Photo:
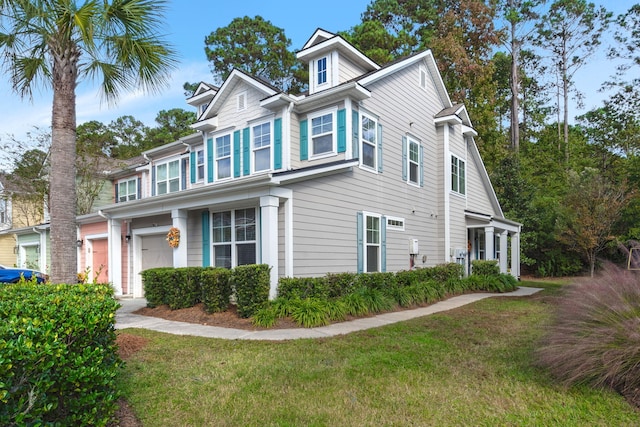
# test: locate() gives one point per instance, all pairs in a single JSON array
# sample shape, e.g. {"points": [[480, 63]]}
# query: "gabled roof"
{"points": [[234, 78], [425, 56], [456, 113], [203, 94], [323, 41]]}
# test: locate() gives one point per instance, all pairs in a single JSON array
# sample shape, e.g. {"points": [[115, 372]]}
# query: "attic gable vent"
{"points": [[242, 101], [423, 78]]}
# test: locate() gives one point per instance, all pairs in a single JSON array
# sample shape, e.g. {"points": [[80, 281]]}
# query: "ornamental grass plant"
{"points": [[595, 337]]}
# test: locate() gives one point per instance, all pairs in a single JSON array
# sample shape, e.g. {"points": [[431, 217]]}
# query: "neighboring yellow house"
{"points": [[26, 213]]}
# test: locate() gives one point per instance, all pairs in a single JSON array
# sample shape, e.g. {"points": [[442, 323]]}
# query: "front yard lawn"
{"points": [[469, 366]]}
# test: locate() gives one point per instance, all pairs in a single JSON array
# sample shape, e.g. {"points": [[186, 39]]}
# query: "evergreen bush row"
{"points": [[312, 302], [214, 287], [58, 356]]}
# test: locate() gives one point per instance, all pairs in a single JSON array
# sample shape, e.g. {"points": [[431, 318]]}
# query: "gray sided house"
{"points": [[374, 169]]}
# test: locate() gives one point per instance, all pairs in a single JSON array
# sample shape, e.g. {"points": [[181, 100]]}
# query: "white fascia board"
{"points": [[339, 43], [229, 82], [318, 33], [466, 130], [448, 119], [353, 89], [206, 125], [313, 172]]}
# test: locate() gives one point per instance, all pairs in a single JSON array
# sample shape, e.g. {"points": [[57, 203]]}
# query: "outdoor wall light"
{"points": [[127, 238], [79, 243]]}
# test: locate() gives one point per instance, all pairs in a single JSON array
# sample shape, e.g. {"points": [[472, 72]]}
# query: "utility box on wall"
{"points": [[414, 248]]}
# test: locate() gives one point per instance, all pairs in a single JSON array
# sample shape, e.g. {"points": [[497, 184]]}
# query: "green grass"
{"points": [[469, 366]]}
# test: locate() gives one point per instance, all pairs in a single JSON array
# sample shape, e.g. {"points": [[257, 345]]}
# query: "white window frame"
{"points": [[395, 223], [127, 194], [169, 179], [334, 133], [255, 149], [410, 162], [457, 178], [367, 244], [201, 161], [234, 242], [363, 141], [217, 158], [322, 72]]}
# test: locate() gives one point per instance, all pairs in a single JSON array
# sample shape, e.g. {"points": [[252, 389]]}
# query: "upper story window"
{"points": [[202, 108], [168, 177], [458, 175], [369, 141], [200, 165], [127, 190], [413, 158], [4, 215], [261, 146], [322, 70], [323, 134], [223, 156]]}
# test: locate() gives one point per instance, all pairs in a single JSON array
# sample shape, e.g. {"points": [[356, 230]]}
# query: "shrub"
{"points": [[183, 287], [485, 267], [251, 284], [266, 316], [376, 300], [356, 304], [58, 359], [340, 284], [594, 339], [444, 272], [216, 289], [303, 287], [310, 312], [155, 281], [376, 280]]}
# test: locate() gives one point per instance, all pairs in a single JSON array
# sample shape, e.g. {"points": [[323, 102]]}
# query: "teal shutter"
{"points": [[304, 141], [360, 241], [342, 131], [246, 151], [210, 160], [383, 244], [139, 195], [206, 244], [192, 166], [116, 190], [421, 168], [236, 154], [404, 158], [355, 142], [277, 144], [380, 148], [153, 180]]}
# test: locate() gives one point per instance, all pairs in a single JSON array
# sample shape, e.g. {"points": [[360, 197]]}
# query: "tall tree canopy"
{"points": [[60, 43], [255, 46]]}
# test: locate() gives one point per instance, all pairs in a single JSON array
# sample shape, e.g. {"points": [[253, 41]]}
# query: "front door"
{"points": [[100, 260]]}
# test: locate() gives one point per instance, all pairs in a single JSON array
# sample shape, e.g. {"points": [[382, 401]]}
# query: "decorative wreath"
{"points": [[173, 237]]}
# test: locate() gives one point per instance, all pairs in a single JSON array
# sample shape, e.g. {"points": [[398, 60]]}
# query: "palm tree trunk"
{"points": [[62, 175]]}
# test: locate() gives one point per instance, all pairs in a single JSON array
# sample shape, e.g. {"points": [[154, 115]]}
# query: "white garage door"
{"points": [[156, 252]]}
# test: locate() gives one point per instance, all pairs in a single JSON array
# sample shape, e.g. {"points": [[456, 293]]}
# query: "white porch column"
{"points": [[115, 255], [489, 250], [269, 238], [515, 255], [503, 252], [179, 218]]}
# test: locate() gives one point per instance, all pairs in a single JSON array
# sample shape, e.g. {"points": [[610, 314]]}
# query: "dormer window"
{"points": [[322, 70]]}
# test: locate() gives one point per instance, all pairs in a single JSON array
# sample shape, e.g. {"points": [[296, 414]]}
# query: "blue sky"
{"points": [[189, 21]]}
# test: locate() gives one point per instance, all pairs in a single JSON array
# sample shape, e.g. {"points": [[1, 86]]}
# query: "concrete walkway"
{"points": [[126, 319]]}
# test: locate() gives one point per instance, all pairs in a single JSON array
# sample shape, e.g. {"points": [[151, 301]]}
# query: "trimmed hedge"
{"points": [[485, 267], [216, 289], [251, 284], [183, 289], [58, 359]]}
